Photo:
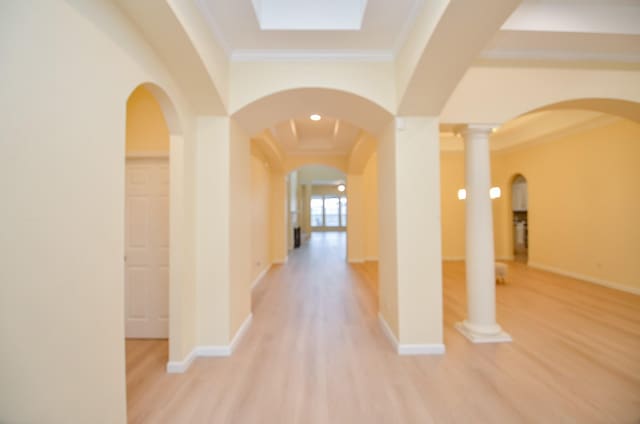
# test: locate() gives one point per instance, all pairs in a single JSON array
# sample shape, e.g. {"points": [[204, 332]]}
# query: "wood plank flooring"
{"points": [[315, 354]]}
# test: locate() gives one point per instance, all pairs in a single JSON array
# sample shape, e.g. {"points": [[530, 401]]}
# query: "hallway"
{"points": [[315, 354]]}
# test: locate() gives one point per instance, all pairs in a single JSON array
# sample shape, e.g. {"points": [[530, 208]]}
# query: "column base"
{"points": [[475, 337]]}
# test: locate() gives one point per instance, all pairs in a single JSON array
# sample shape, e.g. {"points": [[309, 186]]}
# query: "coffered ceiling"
{"points": [[304, 136]]}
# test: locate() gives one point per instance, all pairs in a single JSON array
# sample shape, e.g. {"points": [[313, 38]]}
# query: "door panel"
{"points": [[147, 249]]}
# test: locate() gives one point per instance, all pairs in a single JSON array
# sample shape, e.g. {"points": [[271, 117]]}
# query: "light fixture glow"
{"points": [[494, 193], [315, 117], [341, 187]]}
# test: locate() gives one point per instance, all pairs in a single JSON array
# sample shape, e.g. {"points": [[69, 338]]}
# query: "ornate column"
{"points": [[480, 325]]}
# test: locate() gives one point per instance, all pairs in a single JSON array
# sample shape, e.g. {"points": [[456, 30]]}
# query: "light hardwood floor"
{"points": [[315, 354]]}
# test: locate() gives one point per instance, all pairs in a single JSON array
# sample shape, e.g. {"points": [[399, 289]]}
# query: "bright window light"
{"points": [[462, 194], [315, 117]]}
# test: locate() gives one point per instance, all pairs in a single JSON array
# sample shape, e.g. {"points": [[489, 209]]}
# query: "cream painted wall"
{"points": [[61, 322], [260, 213], [146, 128], [410, 270], [453, 222], [240, 226], [419, 250], [355, 218], [213, 236], [371, 80], [517, 90], [370, 213], [388, 259], [584, 203], [278, 218]]}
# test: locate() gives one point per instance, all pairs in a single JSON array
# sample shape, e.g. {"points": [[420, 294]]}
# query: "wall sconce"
{"points": [[494, 193], [341, 188]]}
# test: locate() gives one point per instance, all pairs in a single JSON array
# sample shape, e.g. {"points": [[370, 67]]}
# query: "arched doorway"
{"points": [[520, 221], [153, 177]]}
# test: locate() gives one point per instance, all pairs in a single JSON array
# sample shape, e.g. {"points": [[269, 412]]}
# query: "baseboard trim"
{"points": [[409, 349], [213, 351], [179, 367], [260, 276], [281, 262], [241, 332], [462, 258], [586, 278]]}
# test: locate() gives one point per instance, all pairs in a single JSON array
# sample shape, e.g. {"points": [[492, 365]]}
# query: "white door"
{"points": [[147, 248]]}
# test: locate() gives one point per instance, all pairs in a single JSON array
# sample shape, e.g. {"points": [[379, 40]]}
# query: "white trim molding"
{"points": [[260, 276], [409, 349], [586, 278], [240, 333], [178, 367]]}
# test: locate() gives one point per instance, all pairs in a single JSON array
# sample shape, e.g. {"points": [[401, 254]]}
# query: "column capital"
{"points": [[476, 129]]}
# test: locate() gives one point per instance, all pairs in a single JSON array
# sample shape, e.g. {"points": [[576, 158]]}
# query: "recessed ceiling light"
{"points": [[315, 117]]}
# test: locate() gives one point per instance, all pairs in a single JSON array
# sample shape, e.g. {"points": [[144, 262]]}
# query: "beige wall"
{"points": [[146, 128], [388, 259], [278, 205], [584, 203], [370, 212], [453, 224], [240, 226], [63, 142], [260, 213]]}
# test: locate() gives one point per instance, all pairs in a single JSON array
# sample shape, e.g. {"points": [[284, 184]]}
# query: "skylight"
{"points": [[305, 15]]}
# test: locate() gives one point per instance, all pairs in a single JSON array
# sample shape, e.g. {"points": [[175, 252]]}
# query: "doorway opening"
{"points": [[520, 220], [316, 203], [152, 187]]}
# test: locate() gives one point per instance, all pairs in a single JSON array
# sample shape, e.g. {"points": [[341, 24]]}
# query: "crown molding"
{"points": [[286, 55], [559, 56]]}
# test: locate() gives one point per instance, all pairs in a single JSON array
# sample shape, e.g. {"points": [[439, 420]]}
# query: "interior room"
{"points": [[327, 212]]}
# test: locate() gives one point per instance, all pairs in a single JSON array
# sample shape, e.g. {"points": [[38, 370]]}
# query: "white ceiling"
{"points": [[606, 31], [304, 136], [384, 28], [550, 30]]}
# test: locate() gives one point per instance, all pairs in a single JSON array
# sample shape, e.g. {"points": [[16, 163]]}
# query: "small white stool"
{"points": [[501, 272]]}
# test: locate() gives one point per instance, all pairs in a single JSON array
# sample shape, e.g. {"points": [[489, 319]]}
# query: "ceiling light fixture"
{"points": [[315, 117], [341, 188]]}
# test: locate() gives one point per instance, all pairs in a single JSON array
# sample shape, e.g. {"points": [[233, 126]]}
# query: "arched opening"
{"points": [[152, 179], [519, 207], [301, 220], [572, 162]]}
